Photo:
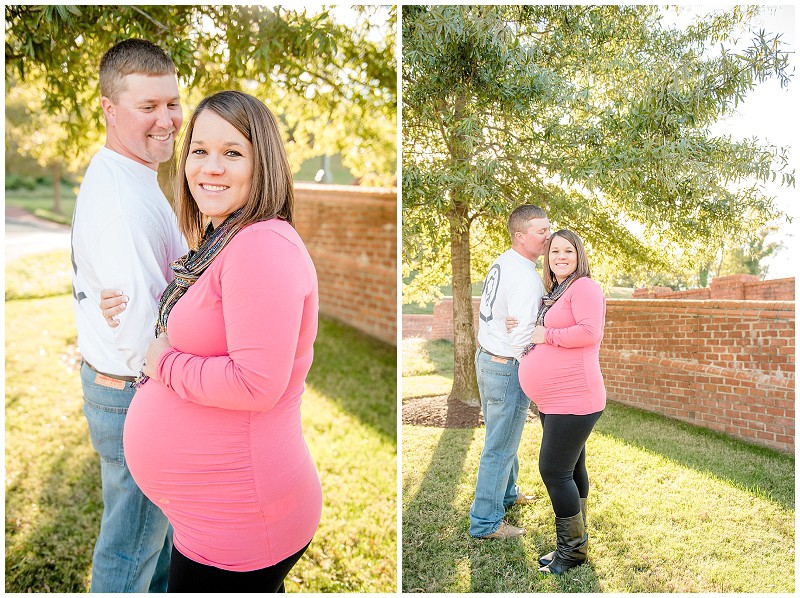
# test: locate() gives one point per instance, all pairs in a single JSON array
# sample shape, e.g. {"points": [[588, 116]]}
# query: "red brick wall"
{"points": [[419, 325], [726, 365], [737, 286], [723, 365], [351, 234]]}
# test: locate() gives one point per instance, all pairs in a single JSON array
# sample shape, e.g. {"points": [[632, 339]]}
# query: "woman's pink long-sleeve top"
{"points": [[214, 438], [562, 375]]}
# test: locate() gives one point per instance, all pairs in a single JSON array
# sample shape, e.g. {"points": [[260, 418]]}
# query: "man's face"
{"points": [[144, 120], [531, 242]]}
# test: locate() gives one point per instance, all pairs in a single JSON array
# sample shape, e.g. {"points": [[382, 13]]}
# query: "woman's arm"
{"points": [[265, 282], [589, 311], [112, 303]]}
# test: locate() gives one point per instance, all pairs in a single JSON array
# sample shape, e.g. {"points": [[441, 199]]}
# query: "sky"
{"points": [[771, 114]]}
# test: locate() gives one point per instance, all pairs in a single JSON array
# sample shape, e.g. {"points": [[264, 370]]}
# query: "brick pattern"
{"points": [[351, 234], [417, 325], [726, 365], [738, 286], [442, 326]]}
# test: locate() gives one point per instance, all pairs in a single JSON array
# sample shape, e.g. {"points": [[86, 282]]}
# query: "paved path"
{"points": [[26, 234]]}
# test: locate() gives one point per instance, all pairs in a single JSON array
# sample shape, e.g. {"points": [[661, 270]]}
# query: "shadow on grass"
{"points": [[56, 555], [760, 471], [440, 352], [362, 381], [440, 556], [426, 514]]}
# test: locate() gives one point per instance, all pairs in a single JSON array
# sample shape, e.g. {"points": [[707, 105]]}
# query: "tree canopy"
{"points": [[332, 84], [600, 114]]}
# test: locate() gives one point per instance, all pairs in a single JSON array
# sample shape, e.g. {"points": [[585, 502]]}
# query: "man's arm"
{"points": [[131, 255], [523, 298]]}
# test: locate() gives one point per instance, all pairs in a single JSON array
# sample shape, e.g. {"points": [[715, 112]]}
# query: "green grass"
{"points": [[672, 508], [53, 498], [340, 175], [447, 291], [39, 202], [477, 288], [40, 275], [427, 368]]}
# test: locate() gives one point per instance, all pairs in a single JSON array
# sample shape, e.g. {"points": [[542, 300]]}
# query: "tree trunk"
{"points": [[465, 384], [56, 174]]}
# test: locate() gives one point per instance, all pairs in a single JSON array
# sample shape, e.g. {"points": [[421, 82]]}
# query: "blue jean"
{"points": [[505, 408], [133, 549]]}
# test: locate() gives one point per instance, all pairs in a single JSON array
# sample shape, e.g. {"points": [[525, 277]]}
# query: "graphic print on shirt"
{"points": [[78, 296], [490, 288]]}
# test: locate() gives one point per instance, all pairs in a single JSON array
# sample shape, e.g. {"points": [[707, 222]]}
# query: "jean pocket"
{"points": [[105, 429], [493, 384]]}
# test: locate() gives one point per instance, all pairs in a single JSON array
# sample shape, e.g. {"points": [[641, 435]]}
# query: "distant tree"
{"points": [[749, 255], [40, 136], [599, 114], [736, 255], [333, 85]]}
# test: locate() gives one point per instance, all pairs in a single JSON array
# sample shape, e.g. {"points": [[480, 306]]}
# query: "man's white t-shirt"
{"points": [[513, 287], [124, 236]]}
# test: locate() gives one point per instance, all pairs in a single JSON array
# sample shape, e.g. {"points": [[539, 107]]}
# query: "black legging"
{"points": [[186, 575], [562, 459]]}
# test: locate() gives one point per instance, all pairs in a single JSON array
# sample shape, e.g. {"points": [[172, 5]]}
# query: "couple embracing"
{"points": [[208, 485], [539, 341]]}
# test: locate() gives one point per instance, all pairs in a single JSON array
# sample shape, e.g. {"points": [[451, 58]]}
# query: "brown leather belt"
{"points": [[123, 378], [493, 355]]}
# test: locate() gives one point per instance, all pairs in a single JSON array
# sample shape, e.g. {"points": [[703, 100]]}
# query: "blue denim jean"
{"points": [[133, 549], [505, 408]]}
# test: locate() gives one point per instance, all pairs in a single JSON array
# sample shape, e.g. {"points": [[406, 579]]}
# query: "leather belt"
{"points": [[123, 378], [493, 355]]}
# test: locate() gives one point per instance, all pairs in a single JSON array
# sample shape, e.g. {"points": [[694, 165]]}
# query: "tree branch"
{"points": [[149, 18]]}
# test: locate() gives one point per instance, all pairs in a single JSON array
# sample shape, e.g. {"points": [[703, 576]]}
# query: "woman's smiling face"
{"points": [[219, 167], [563, 258]]}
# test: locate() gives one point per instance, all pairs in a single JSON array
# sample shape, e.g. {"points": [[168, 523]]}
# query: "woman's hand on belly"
{"points": [[154, 350]]}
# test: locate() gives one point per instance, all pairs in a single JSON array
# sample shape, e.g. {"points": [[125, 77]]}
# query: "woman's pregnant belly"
{"points": [[229, 481], [549, 375], [182, 454]]}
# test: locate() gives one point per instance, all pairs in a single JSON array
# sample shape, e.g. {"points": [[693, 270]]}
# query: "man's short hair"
{"points": [[519, 218], [131, 56]]}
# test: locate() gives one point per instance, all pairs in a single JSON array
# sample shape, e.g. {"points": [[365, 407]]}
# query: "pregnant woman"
{"points": [[560, 372], [213, 435]]}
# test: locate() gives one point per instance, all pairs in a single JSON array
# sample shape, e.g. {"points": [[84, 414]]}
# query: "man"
{"points": [[512, 288], [124, 235]]}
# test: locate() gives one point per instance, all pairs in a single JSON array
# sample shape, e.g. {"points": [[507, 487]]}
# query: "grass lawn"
{"points": [[53, 499], [447, 291], [672, 508], [41, 275], [340, 175], [477, 289], [39, 202], [427, 368]]}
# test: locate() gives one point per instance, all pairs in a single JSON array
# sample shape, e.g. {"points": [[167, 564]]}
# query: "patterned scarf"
{"points": [[189, 268], [547, 302]]}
